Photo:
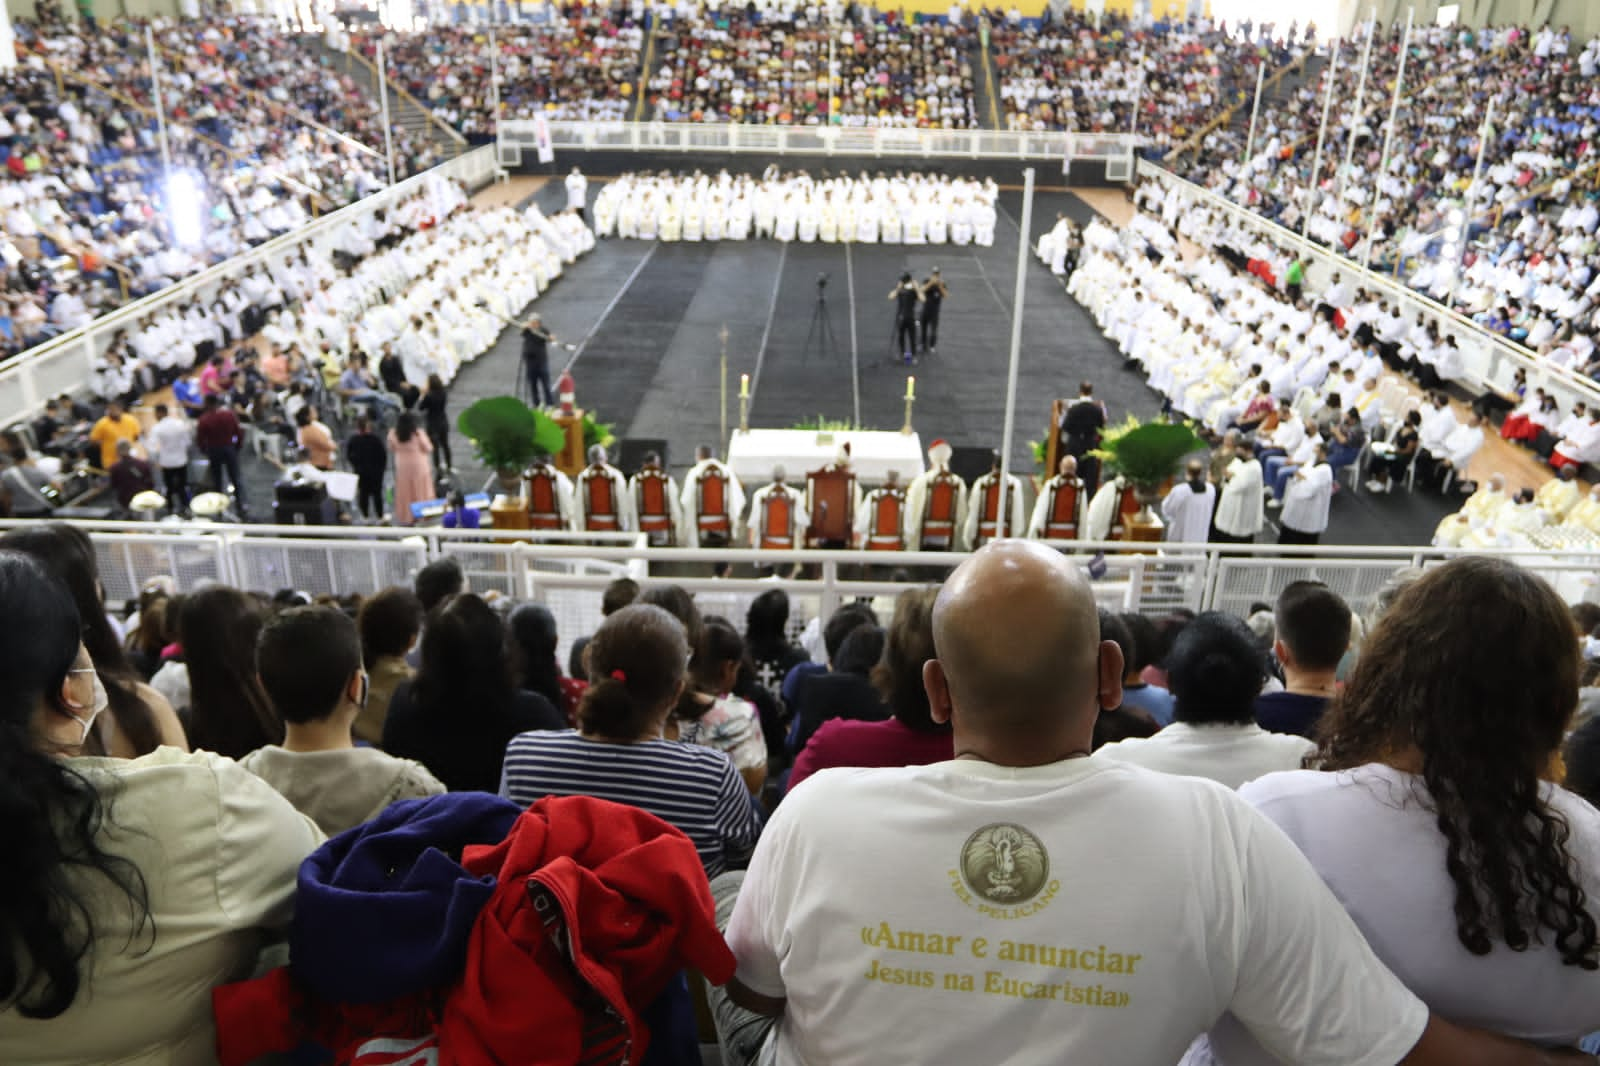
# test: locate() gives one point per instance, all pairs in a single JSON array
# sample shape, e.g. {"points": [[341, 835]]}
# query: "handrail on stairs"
{"points": [[145, 110], [304, 118], [394, 86], [1269, 86]]}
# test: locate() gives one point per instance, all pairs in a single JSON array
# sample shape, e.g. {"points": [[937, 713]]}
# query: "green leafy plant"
{"points": [[596, 433], [507, 434], [826, 425], [1147, 453]]}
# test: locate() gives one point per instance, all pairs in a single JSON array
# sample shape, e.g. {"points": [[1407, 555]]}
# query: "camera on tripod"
{"points": [[822, 281]]}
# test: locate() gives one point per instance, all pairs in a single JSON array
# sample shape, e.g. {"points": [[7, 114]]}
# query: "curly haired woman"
{"points": [[1434, 819]]}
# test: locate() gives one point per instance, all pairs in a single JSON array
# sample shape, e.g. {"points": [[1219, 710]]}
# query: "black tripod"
{"points": [[821, 328]]}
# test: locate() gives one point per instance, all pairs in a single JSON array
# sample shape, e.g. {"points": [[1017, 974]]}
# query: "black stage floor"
{"points": [[652, 312]]}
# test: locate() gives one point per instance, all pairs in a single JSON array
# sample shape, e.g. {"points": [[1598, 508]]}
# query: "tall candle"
{"points": [[911, 388], [744, 386]]}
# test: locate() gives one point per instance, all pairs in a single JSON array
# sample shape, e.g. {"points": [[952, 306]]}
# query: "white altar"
{"points": [[753, 453]]}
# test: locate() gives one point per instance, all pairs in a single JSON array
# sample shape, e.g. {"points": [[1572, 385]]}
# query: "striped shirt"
{"points": [[693, 788]]}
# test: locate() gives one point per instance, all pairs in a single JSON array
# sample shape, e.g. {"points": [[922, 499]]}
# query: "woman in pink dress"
{"points": [[413, 473]]}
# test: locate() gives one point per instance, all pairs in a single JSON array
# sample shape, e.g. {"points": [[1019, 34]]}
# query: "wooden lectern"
{"points": [[833, 507], [573, 458], [1052, 441]]}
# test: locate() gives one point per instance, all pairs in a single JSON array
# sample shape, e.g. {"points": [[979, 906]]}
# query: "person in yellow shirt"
{"points": [[115, 425], [1559, 495]]}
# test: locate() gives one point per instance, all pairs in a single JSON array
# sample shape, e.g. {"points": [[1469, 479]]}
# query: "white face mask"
{"points": [[101, 700]]}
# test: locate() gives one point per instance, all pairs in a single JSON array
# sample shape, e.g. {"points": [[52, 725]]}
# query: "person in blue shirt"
{"points": [[459, 516], [1146, 651], [1313, 632]]}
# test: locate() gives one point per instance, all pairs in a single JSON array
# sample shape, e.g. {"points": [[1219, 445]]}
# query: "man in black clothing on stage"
{"points": [[905, 297], [934, 290], [536, 342], [1080, 434]]}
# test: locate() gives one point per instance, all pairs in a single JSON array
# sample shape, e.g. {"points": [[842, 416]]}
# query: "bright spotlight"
{"points": [[185, 208]]}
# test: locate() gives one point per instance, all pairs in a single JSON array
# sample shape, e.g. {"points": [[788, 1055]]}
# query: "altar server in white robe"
{"points": [[787, 221], [1015, 517], [621, 498], [577, 192], [1101, 513], [762, 511], [1188, 508], [1306, 501], [917, 499], [706, 462], [1241, 511]]}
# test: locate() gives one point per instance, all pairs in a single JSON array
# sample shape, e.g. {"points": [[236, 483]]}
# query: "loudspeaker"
{"points": [[298, 503], [630, 453], [970, 463]]}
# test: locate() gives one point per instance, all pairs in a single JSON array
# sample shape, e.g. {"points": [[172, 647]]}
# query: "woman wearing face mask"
{"points": [[147, 881]]}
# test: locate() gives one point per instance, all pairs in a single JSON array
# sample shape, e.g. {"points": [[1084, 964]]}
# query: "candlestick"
{"points": [[744, 414], [911, 387], [744, 386], [910, 400]]}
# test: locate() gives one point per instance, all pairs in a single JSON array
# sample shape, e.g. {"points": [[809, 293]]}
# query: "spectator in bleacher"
{"points": [[766, 634], [636, 673], [115, 425], [1024, 825], [1146, 649], [390, 622], [23, 486], [457, 715], [413, 480], [1435, 768], [910, 737], [228, 712], [138, 719], [1581, 753], [845, 690], [130, 475], [218, 434], [1121, 722], [1312, 626], [309, 661], [533, 641], [834, 633], [618, 594], [146, 633], [712, 716], [369, 460], [315, 437], [132, 887], [1216, 673]]}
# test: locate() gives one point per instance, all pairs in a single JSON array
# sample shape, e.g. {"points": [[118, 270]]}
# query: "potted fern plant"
{"points": [[507, 435], [1146, 454]]}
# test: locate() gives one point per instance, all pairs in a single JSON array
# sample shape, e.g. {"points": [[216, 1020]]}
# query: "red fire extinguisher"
{"points": [[567, 389]]}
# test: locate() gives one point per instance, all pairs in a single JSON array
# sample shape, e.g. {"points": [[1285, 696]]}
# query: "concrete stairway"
{"points": [[405, 111]]}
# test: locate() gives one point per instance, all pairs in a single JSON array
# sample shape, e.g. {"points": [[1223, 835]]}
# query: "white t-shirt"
{"points": [[1230, 755], [1371, 835], [967, 912]]}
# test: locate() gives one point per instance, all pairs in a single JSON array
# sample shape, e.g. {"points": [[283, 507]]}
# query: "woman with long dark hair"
{"points": [[145, 881], [138, 719], [413, 480], [457, 715], [229, 712], [1434, 818], [911, 737], [533, 640], [435, 408]]}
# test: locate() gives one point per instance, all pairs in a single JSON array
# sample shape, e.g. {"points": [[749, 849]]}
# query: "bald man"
{"points": [[1024, 904]]}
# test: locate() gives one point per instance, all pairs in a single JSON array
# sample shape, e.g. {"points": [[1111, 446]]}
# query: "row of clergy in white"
{"points": [[895, 210], [936, 511], [441, 297], [1492, 517]]}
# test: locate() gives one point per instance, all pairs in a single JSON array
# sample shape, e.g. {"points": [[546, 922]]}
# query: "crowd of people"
{"points": [[580, 65], [903, 208], [238, 769], [261, 137], [1089, 74], [1513, 251], [738, 65]]}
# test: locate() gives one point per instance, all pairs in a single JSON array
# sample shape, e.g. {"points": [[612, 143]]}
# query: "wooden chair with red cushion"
{"points": [[939, 516], [989, 517], [544, 504], [1062, 521], [711, 494], [888, 512], [777, 526], [601, 497], [655, 507], [833, 506]]}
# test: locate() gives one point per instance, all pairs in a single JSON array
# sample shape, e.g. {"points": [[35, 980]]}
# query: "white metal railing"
{"points": [[521, 135], [1490, 359], [65, 363], [551, 568]]}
